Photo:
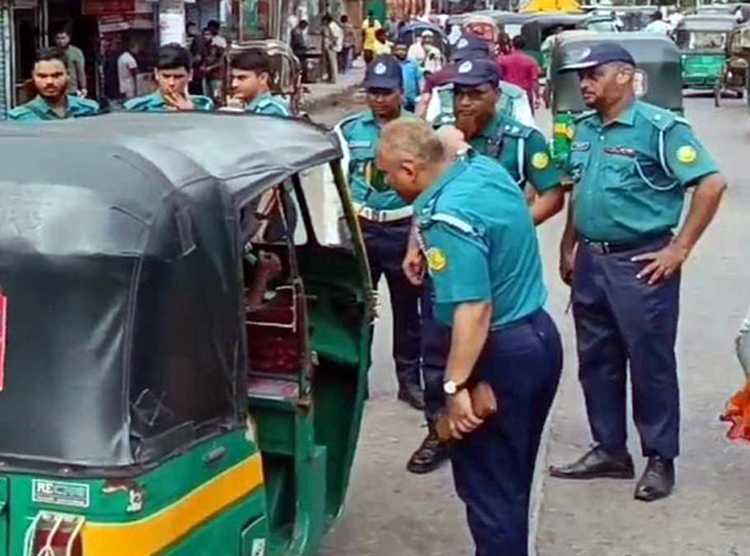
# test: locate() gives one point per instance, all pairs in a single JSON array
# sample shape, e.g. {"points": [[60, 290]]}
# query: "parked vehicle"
{"points": [[702, 40], [161, 392], [735, 77]]}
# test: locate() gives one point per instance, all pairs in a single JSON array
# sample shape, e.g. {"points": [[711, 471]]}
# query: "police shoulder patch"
{"points": [[540, 161], [687, 154], [436, 259]]}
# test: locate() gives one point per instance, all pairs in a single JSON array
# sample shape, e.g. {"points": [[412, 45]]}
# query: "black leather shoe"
{"points": [[412, 395], [596, 464], [429, 456], [657, 481]]}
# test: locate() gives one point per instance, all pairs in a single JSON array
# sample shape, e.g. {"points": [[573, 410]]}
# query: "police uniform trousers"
{"points": [[386, 245], [619, 318], [436, 343], [493, 467]]}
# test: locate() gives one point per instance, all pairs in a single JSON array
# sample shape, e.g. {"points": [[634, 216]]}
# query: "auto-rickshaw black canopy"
{"points": [[120, 261], [656, 56]]}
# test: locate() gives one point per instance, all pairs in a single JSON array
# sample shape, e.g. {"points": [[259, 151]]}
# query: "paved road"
{"points": [[391, 512]]}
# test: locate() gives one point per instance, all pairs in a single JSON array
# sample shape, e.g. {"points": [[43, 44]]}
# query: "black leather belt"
{"points": [[607, 248]]}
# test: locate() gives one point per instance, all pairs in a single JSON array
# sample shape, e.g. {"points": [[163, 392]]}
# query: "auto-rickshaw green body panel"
{"points": [[146, 409], [702, 40], [659, 78]]}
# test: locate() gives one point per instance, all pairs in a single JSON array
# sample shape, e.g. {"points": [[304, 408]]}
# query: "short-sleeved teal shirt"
{"points": [[522, 150], [155, 103], [480, 243], [368, 184], [630, 176], [269, 105], [40, 110]]}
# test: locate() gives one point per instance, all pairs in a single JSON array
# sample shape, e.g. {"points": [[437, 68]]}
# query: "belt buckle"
{"points": [[599, 247]]}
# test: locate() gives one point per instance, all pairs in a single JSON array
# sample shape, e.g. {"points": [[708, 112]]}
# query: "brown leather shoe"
{"points": [[596, 464], [657, 481], [429, 456]]}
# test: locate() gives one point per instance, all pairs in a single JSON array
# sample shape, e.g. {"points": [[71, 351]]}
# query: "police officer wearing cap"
{"points": [[386, 218], [251, 85], [522, 150], [632, 164], [483, 257]]}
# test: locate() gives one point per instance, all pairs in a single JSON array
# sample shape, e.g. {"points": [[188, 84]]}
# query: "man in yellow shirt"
{"points": [[370, 26]]}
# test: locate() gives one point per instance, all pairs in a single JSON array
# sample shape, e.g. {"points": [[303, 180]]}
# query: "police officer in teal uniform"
{"points": [[632, 164], [251, 85], [482, 253], [173, 74], [386, 218], [51, 79], [521, 150]]}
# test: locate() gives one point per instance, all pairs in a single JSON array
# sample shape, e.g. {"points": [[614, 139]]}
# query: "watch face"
{"points": [[449, 387]]}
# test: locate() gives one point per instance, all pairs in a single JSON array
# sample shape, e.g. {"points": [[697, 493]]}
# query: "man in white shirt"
{"points": [[127, 71], [658, 25]]}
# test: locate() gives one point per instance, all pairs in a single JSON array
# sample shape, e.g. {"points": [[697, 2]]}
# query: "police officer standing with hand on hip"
{"points": [[174, 72], [483, 257], [632, 164], [386, 218]]}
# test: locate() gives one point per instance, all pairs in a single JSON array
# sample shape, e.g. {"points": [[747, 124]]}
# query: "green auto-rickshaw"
{"points": [[702, 40], [736, 75], [658, 79], [185, 336]]}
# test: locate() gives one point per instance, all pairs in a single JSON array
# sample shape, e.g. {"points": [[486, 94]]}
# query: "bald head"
{"points": [[412, 155]]}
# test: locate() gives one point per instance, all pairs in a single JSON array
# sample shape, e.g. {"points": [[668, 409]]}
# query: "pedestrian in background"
{"points": [[483, 257], [433, 59], [412, 76], [520, 69], [127, 69], [381, 47], [386, 218], [214, 29], [300, 48], [369, 28], [658, 25], [197, 47], [632, 164], [332, 44], [76, 63], [213, 70], [346, 56]]}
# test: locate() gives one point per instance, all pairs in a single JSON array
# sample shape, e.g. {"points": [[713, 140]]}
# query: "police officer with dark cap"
{"points": [[522, 150], [632, 164], [386, 218]]}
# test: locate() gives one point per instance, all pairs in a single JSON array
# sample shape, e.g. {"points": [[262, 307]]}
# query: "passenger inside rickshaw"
{"points": [[702, 40]]}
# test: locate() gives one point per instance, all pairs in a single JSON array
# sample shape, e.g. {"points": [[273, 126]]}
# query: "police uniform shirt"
{"points": [[480, 243], [631, 175], [368, 184], [268, 105], [40, 110], [521, 150], [155, 102]]}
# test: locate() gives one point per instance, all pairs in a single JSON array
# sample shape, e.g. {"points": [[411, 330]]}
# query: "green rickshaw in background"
{"points": [[702, 40], [658, 79], [736, 75], [186, 312]]}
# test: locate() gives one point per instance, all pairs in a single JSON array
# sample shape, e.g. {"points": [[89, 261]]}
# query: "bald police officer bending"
{"points": [[51, 80], [632, 164], [173, 73], [482, 253]]}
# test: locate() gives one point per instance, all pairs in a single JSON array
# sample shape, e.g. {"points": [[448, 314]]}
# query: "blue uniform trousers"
{"points": [[386, 245], [493, 467], [436, 343], [619, 319]]}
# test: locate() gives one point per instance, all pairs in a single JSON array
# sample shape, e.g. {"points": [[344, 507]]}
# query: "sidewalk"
{"points": [[324, 95]]}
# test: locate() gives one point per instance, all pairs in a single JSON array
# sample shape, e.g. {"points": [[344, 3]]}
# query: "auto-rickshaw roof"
{"points": [[708, 22], [656, 54], [244, 152]]}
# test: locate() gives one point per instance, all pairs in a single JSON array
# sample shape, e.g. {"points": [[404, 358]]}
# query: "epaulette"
{"points": [[346, 124], [202, 103], [138, 104], [511, 90], [20, 113], [90, 105], [584, 116], [660, 118], [515, 129]]}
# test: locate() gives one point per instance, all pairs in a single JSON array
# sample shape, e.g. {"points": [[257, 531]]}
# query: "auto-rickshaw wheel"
{"points": [[717, 95]]}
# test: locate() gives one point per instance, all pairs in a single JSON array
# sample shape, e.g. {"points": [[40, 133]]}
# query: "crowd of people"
{"points": [[449, 177]]}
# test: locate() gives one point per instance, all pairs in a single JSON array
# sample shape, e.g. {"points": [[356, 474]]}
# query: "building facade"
{"points": [[6, 86]]}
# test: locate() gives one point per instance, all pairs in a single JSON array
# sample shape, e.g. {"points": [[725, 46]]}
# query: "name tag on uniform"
{"points": [[360, 144], [580, 146], [620, 151]]}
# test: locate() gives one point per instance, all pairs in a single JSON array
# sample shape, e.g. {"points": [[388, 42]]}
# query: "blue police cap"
{"points": [[596, 55], [471, 73], [469, 46], [384, 72]]}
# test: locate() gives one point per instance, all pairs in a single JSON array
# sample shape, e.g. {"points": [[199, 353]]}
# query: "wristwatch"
{"points": [[451, 387]]}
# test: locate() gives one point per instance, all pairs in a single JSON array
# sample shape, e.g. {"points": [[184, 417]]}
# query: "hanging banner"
{"points": [[3, 336]]}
